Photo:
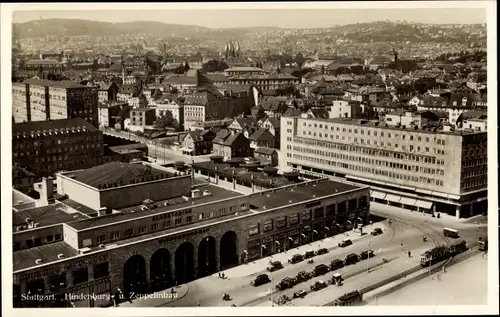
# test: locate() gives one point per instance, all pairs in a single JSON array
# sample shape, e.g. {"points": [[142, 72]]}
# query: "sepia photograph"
{"points": [[249, 156]]}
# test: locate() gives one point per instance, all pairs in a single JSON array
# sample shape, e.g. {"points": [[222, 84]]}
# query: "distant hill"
{"points": [[69, 27], [382, 31]]}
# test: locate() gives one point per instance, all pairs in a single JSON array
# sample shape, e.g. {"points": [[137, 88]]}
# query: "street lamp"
{"points": [[368, 257]]}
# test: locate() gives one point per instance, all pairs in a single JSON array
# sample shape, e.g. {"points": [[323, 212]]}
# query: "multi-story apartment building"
{"points": [[266, 82], [53, 100], [45, 147], [21, 111], [434, 169], [142, 117], [208, 105]]}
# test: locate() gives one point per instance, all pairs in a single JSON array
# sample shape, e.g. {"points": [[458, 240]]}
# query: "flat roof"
{"points": [[24, 259], [118, 173], [241, 173], [46, 215], [357, 122], [77, 206], [20, 198], [298, 194], [66, 84], [217, 193], [52, 126]]}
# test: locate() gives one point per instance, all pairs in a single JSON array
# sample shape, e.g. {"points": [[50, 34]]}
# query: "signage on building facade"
{"points": [[56, 270]]}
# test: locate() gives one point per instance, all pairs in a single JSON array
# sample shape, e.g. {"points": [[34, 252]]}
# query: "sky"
{"points": [[286, 18]]}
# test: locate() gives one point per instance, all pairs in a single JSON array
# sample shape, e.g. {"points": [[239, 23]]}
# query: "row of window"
{"points": [[377, 143], [307, 215], [369, 151], [410, 177], [369, 132], [389, 164], [35, 242], [475, 183]]}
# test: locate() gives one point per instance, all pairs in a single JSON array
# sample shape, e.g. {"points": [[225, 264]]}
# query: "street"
{"points": [[402, 234], [393, 244], [166, 156]]}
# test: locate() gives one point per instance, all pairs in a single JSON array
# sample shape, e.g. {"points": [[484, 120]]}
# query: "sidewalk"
{"points": [[405, 214], [330, 243], [158, 298]]}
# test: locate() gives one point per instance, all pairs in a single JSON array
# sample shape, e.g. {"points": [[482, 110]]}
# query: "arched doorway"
{"points": [[207, 260], [134, 275], [184, 263], [160, 270], [228, 250]]}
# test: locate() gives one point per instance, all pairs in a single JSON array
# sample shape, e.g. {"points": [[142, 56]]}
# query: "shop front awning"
{"points": [[393, 198], [408, 201], [378, 195], [423, 204]]}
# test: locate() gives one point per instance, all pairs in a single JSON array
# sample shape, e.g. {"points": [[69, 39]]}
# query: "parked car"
{"points": [[320, 270], [322, 251], [366, 254], [300, 294], [336, 264], [376, 232], [260, 280], [345, 243], [309, 254], [296, 258], [351, 259], [318, 285], [274, 266], [287, 282]]}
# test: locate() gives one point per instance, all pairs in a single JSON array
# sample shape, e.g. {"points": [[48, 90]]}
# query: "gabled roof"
{"points": [[221, 136], [233, 139], [261, 134], [195, 135], [319, 113], [52, 126], [273, 121], [265, 150]]}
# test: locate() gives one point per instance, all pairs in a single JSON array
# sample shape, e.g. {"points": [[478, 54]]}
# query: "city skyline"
{"points": [[309, 18]]}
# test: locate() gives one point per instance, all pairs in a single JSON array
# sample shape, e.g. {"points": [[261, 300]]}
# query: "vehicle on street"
{"points": [[349, 299], [336, 279], [351, 259], [274, 266], [483, 244], [322, 251], [318, 285], [309, 254], [320, 269], [450, 233], [366, 254], [345, 243], [287, 282], [283, 299], [260, 280], [440, 253], [303, 276], [376, 232], [336, 264], [296, 258], [300, 294]]}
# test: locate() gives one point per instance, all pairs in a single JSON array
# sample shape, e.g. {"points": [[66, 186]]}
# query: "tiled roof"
{"points": [[52, 126], [117, 173], [265, 150], [261, 135], [43, 62], [233, 138]]}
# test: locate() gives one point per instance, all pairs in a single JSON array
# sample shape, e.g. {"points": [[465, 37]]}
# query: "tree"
{"points": [[214, 66], [299, 59], [166, 120]]}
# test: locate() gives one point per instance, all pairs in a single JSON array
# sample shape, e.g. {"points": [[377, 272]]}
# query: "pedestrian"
{"points": [[409, 254], [219, 275], [444, 269]]}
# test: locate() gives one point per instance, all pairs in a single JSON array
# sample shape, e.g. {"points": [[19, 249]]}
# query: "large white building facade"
{"points": [[420, 169]]}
